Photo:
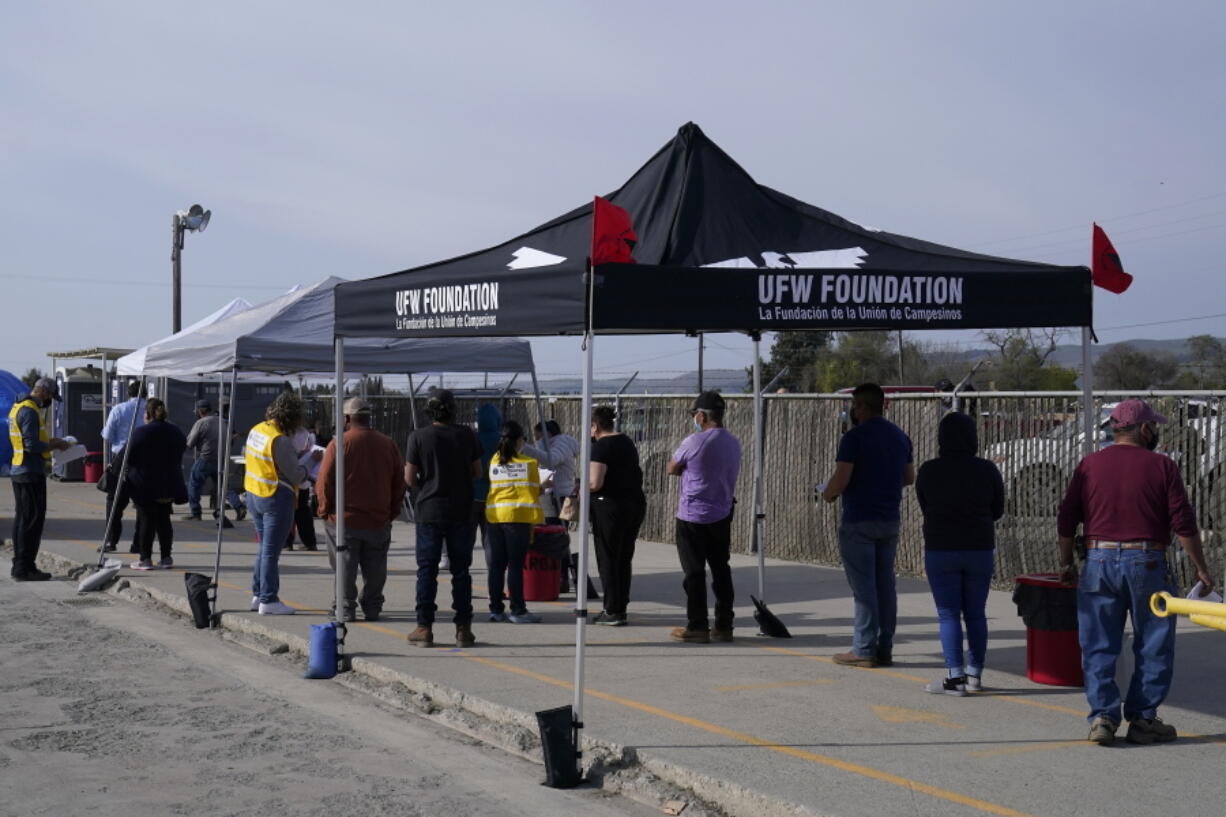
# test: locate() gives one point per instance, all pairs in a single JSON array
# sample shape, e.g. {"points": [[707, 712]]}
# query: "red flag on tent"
{"points": [[613, 235], [1105, 265]]}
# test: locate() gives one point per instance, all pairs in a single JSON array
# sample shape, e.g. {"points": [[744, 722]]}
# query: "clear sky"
{"points": [[358, 139]]}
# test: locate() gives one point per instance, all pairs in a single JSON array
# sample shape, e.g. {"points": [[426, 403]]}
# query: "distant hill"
{"points": [[729, 381], [1069, 355]]}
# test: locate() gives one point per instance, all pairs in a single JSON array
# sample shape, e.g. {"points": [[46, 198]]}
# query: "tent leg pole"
{"points": [[1087, 395], [225, 430], [585, 508], [412, 403], [106, 448], [758, 515], [338, 435]]}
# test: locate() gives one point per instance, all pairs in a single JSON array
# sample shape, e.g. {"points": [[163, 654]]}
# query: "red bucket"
{"points": [[93, 466], [1053, 656], [542, 577]]}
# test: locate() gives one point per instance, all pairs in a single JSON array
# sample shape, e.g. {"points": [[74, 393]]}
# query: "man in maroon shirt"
{"points": [[1128, 499]]}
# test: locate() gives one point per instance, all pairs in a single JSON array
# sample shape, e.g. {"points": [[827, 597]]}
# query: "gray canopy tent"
{"points": [[294, 334]]}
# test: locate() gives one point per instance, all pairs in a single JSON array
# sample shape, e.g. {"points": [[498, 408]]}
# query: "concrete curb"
{"points": [[614, 768]]}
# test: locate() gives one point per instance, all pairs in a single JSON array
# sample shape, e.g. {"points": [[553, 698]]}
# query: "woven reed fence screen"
{"points": [[1035, 439]]}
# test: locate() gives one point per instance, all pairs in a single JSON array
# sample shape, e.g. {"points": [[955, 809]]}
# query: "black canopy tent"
{"points": [[716, 252]]}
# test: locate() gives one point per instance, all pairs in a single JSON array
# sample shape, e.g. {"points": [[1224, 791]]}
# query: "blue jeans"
{"points": [[457, 538], [508, 547], [273, 516], [201, 471], [959, 580], [1116, 584], [868, 550]]}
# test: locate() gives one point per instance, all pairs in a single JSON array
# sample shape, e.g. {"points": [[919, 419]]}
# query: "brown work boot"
{"points": [[422, 637], [690, 636], [464, 635], [853, 659], [721, 635]]}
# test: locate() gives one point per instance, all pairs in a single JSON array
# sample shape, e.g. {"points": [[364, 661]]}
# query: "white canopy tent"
{"points": [[295, 333], [134, 362]]}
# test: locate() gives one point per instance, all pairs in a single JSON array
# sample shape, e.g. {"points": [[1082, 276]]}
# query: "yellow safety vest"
{"points": [[515, 491], [261, 478], [19, 448]]}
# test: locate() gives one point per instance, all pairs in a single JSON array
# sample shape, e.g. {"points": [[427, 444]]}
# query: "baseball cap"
{"points": [[50, 386], [204, 405], [356, 405], [1134, 412], [708, 401]]}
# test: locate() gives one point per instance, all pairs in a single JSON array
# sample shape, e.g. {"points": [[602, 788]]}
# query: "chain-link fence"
{"points": [[1035, 439]]}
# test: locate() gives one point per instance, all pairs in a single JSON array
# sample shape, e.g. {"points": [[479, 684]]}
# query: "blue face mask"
{"points": [[697, 425]]}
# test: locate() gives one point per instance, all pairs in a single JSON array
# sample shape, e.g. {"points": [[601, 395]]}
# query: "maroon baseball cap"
{"points": [[1133, 413]]}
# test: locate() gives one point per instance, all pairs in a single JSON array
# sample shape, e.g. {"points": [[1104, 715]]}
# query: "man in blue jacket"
{"points": [[873, 464], [32, 447]]}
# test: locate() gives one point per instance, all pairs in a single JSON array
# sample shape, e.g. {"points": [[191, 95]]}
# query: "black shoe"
{"points": [[191, 517], [134, 549], [885, 659], [34, 575], [226, 524], [240, 514], [109, 547], [310, 547], [372, 614]]}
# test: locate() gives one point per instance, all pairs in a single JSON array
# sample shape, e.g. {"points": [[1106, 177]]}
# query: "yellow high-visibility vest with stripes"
{"points": [[515, 491], [19, 448], [261, 478]]}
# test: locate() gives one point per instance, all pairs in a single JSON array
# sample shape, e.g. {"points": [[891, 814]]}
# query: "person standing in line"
{"points": [[32, 447], [961, 496], [273, 474], [618, 508], [489, 420], [559, 455], [442, 462], [374, 490], [708, 462], [511, 509], [115, 433], [1127, 498], [203, 439], [304, 518], [155, 482], [873, 464]]}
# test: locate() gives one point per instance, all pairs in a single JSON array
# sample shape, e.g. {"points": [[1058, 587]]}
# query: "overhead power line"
{"points": [[1109, 218]]}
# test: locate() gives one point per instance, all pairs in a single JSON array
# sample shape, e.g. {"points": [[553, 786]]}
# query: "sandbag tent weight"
{"points": [[716, 252]]}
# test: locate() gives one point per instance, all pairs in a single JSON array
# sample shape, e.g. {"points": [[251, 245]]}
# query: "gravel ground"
{"points": [[107, 707]]}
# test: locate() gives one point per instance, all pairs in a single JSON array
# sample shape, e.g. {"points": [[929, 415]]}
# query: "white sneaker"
{"points": [[276, 608], [974, 683], [255, 603], [948, 686]]}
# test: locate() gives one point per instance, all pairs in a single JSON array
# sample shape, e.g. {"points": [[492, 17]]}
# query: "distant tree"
{"points": [[798, 353], [1124, 366], [1021, 360], [1207, 363], [31, 377], [857, 357]]}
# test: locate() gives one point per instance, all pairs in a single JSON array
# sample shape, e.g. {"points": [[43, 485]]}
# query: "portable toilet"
{"points": [[78, 414]]}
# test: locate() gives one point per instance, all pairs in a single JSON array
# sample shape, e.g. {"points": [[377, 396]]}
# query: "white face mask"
{"points": [[697, 425]]}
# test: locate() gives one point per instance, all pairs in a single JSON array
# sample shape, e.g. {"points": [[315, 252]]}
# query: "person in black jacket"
{"points": [[962, 496], [155, 482]]}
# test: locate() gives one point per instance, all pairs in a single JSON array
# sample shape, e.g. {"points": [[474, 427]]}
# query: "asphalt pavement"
{"points": [[758, 726]]}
